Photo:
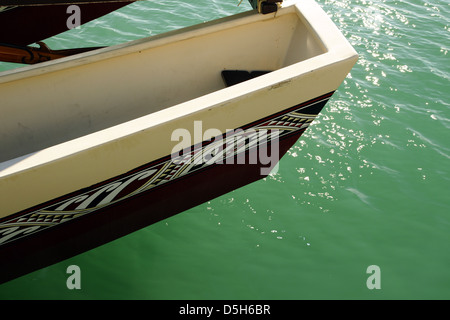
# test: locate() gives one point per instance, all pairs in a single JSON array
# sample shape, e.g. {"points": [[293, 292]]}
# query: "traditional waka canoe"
{"points": [[100, 144]]}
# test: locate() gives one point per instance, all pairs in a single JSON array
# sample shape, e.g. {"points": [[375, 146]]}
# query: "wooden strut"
{"points": [[32, 55]]}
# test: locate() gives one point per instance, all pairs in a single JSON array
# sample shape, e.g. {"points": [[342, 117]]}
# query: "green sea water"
{"points": [[367, 184]]}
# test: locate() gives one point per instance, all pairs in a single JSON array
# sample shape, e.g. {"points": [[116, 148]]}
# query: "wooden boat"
{"points": [[100, 144]]}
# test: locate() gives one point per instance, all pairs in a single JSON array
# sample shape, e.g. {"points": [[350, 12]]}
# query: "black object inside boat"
{"points": [[232, 77]]}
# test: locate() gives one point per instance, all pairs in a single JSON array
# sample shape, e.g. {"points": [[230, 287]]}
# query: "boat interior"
{"points": [[56, 101]]}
